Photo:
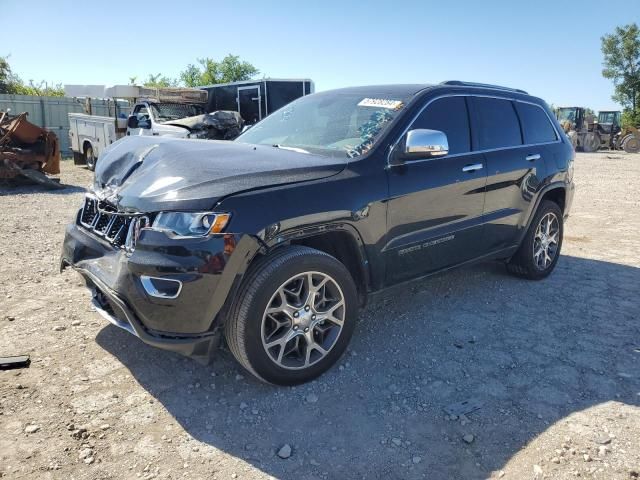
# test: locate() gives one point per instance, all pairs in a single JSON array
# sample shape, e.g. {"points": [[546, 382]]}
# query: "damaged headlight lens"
{"points": [[191, 224]]}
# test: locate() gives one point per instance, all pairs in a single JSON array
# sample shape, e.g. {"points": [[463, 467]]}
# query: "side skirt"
{"points": [[502, 254]]}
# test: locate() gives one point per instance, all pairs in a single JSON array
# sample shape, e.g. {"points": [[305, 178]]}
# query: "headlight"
{"points": [[191, 224]]}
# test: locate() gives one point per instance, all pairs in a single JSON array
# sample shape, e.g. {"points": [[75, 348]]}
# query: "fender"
{"points": [[84, 141], [275, 239], [534, 205]]}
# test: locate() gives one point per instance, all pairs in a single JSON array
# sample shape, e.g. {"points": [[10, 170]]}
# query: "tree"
{"points": [[13, 84], [40, 89], [5, 75], [209, 71], [192, 76], [621, 51], [159, 81]]}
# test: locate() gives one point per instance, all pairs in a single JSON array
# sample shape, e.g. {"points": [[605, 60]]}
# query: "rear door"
{"points": [[434, 217], [249, 104], [515, 159]]}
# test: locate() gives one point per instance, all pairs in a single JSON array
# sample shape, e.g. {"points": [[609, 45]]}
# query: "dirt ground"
{"points": [[554, 367]]}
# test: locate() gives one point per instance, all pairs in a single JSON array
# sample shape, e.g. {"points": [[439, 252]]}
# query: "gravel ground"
{"points": [[553, 367]]}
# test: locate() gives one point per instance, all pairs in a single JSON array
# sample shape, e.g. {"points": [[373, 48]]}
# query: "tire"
{"points": [[525, 263], [631, 144], [250, 330], [591, 142], [89, 157]]}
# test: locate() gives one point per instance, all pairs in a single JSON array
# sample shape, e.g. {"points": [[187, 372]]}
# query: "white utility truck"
{"points": [[133, 110]]}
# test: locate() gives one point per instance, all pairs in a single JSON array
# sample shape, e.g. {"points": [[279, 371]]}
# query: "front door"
{"points": [[249, 104], [435, 208], [141, 112]]}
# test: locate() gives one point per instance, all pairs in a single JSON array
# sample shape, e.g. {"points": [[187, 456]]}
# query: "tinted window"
{"points": [[535, 124], [449, 115], [498, 124]]}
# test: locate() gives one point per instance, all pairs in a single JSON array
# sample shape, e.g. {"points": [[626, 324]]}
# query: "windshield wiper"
{"points": [[293, 149]]}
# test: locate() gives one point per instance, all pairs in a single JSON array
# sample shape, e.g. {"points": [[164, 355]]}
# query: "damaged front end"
{"points": [[218, 125], [154, 243], [164, 288]]}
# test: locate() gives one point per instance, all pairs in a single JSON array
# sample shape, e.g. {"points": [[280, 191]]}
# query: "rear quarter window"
{"points": [[497, 123], [536, 126]]}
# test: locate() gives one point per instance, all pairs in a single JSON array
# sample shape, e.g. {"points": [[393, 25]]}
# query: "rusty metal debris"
{"points": [[27, 152]]}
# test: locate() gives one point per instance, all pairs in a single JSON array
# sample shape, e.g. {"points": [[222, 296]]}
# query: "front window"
{"points": [[166, 112], [568, 114], [340, 124]]}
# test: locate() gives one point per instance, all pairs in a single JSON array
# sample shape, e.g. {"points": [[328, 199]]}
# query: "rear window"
{"points": [[536, 125], [498, 124]]}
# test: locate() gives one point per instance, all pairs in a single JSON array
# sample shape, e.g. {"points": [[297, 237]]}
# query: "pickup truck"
{"points": [[90, 135], [136, 110]]}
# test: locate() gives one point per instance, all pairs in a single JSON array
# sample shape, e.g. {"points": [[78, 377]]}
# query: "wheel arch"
{"points": [[87, 143], [556, 192], [341, 241]]}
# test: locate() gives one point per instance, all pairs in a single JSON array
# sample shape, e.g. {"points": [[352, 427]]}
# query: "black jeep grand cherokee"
{"points": [[276, 239]]}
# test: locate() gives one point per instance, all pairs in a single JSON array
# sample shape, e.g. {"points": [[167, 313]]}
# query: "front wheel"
{"points": [[539, 252], [631, 144], [591, 142], [293, 317]]}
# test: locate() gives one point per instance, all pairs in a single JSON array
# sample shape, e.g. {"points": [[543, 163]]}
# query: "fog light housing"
{"points": [[161, 287]]}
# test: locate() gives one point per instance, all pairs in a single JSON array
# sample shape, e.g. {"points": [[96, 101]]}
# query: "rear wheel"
{"points": [[90, 158], [539, 252], [293, 317]]}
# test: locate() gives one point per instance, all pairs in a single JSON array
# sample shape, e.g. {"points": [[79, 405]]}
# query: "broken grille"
{"points": [[105, 222]]}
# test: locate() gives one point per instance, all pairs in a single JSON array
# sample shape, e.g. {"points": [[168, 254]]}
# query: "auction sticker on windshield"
{"points": [[380, 103]]}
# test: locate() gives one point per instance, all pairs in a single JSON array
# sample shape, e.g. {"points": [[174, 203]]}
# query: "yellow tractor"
{"points": [[580, 128], [628, 140], [590, 134]]}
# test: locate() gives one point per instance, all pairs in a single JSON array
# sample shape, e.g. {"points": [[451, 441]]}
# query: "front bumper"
{"points": [[207, 269]]}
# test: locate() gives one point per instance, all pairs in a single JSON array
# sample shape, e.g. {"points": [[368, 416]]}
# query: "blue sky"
{"points": [[549, 48]]}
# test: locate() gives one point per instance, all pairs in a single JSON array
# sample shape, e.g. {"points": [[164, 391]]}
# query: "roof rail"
{"points": [[482, 85]]}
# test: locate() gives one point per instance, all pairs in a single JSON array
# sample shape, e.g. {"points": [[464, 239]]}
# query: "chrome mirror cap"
{"points": [[425, 143]]}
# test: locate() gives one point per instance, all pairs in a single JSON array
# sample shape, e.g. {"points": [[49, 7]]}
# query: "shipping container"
{"points": [[255, 99]]}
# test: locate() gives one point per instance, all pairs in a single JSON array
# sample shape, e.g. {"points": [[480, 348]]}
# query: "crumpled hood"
{"points": [[148, 174]]}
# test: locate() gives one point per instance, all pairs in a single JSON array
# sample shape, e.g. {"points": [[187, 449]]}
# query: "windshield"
{"points": [[607, 117], [333, 123], [165, 112], [567, 114]]}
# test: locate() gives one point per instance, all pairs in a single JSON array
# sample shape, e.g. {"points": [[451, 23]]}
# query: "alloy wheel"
{"points": [[546, 241], [303, 320]]}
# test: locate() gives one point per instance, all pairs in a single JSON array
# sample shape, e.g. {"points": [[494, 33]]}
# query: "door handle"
{"points": [[472, 168], [532, 158]]}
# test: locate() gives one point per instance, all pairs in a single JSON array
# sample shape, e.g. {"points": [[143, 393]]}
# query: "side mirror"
{"points": [[132, 121], [424, 143]]}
